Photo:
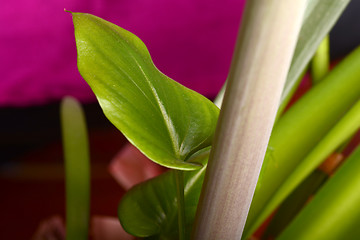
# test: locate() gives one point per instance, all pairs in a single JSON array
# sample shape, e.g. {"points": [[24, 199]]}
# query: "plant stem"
{"points": [[261, 61], [334, 213], [321, 61], [77, 169], [302, 127], [179, 178], [294, 203], [345, 128]]}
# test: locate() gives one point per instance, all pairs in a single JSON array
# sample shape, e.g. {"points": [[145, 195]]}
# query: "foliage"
{"points": [[175, 126], [165, 120]]}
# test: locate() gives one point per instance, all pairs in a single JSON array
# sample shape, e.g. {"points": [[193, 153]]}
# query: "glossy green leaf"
{"points": [[300, 129], [163, 119], [150, 208], [77, 169], [334, 213]]}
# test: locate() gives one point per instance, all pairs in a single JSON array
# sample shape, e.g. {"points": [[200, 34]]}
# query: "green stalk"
{"points": [[321, 61], [334, 213], [301, 128], [343, 146], [179, 178], [294, 203], [344, 129], [77, 169], [269, 28]]}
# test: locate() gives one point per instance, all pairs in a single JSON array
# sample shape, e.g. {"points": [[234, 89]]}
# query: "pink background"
{"points": [[190, 40]]}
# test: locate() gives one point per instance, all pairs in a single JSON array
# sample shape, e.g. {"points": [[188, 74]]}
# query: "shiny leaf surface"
{"points": [[162, 118]]}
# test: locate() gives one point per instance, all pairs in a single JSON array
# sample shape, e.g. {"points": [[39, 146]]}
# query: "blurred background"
{"points": [[191, 41]]}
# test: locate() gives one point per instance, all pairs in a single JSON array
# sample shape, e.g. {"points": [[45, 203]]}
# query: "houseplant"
{"points": [[174, 126]]}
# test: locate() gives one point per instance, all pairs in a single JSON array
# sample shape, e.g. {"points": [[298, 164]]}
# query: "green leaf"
{"points": [[163, 119], [320, 17], [150, 208], [334, 213], [300, 129], [77, 169]]}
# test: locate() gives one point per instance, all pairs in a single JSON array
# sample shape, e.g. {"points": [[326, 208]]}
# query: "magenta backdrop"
{"points": [[191, 41]]}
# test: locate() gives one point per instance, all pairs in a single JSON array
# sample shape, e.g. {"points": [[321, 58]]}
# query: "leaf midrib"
{"points": [[174, 136]]}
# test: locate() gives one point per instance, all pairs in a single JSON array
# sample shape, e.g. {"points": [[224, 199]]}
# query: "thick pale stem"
{"points": [[261, 61]]}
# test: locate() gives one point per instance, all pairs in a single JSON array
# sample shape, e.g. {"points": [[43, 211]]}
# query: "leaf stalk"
{"points": [[179, 178]]}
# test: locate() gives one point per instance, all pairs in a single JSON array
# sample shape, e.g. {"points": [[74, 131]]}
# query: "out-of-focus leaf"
{"points": [[77, 169], [320, 17], [342, 131], [334, 213], [150, 208], [300, 129], [163, 119]]}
